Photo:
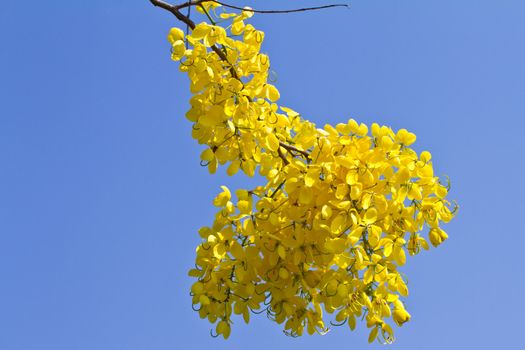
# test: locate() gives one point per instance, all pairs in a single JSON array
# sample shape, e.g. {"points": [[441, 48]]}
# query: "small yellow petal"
{"points": [[272, 93], [326, 212], [175, 34], [373, 334], [370, 216]]}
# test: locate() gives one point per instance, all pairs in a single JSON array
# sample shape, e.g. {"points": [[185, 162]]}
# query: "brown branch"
{"points": [[175, 11], [315, 8], [283, 157], [293, 149]]}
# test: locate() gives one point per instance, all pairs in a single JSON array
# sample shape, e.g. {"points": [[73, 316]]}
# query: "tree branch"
{"points": [[283, 157], [315, 8], [292, 149], [175, 11]]}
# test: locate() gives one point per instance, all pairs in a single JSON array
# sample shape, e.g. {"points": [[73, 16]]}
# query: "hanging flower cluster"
{"points": [[340, 210]]}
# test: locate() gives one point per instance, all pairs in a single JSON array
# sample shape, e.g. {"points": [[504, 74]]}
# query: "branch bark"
{"points": [[293, 149]]}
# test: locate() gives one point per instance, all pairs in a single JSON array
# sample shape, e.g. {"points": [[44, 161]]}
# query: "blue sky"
{"points": [[101, 192]]}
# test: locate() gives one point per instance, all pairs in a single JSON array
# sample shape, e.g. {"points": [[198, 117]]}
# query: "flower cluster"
{"points": [[341, 208]]}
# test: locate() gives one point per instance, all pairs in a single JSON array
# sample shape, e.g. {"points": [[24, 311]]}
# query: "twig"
{"points": [[277, 189], [283, 157], [292, 149], [315, 8]]}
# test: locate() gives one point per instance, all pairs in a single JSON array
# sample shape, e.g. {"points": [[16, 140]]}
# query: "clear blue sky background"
{"points": [[101, 192]]}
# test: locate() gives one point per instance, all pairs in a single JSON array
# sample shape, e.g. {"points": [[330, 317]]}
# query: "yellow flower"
{"points": [[338, 205], [223, 197], [400, 316]]}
